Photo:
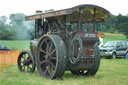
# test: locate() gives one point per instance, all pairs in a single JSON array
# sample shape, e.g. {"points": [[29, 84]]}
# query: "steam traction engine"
{"points": [[64, 40]]}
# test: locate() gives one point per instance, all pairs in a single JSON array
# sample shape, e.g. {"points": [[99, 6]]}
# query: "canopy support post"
{"points": [[94, 20]]}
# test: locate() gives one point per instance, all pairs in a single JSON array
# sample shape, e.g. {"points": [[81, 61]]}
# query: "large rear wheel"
{"points": [[92, 71], [51, 56]]}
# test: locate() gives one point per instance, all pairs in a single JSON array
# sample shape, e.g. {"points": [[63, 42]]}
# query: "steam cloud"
{"points": [[24, 30]]}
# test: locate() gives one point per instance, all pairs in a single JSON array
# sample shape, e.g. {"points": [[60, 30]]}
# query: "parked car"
{"points": [[2, 47], [114, 49]]}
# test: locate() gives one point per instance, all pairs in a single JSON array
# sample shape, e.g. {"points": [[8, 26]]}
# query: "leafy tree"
{"points": [[122, 24], [6, 34], [111, 30], [3, 22], [102, 28], [108, 25], [124, 28], [121, 19]]}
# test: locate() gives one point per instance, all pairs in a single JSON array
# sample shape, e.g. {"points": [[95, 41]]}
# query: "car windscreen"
{"points": [[110, 44]]}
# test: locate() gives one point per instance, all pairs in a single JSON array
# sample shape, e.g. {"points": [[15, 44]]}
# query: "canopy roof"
{"points": [[73, 13]]}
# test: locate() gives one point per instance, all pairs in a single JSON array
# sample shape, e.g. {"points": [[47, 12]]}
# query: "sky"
{"points": [[29, 7]]}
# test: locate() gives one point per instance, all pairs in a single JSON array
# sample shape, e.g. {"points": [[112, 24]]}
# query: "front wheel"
{"points": [[126, 56], [26, 62], [114, 56]]}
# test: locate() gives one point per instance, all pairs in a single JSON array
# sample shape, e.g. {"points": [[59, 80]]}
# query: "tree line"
{"points": [[115, 24], [16, 28]]}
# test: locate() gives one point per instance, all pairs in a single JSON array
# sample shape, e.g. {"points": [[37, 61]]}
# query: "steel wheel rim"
{"points": [[47, 57], [25, 62]]}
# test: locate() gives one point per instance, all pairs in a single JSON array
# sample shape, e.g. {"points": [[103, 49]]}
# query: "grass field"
{"points": [[110, 36], [16, 44], [111, 72]]}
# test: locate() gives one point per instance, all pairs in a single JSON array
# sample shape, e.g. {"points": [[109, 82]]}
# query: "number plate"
{"points": [[90, 35]]}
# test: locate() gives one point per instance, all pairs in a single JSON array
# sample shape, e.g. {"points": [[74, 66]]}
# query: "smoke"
{"points": [[24, 30]]}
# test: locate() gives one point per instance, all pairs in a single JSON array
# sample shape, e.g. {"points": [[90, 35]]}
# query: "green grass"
{"points": [[111, 72], [16, 44], [113, 36]]}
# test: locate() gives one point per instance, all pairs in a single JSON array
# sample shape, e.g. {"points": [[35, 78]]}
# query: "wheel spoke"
{"points": [[49, 68], [52, 67], [42, 62], [53, 51], [53, 58], [43, 51], [46, 56], [46, 70], [50, 47], [47, 46]]}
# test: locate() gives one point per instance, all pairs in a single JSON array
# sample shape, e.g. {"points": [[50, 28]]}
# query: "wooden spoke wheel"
{"points": [[26, 62], [51, 56]]}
